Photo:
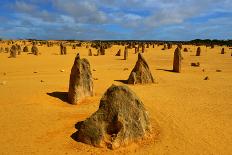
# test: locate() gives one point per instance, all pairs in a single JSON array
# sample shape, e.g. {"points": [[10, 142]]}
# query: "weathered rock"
{"points": [[34, 50], [223, 51], [179, 46], [63, 49], [13, 51], [6, 49], [125, 53], [206, 78], [136, 50], [185, 50], [118, 53], [198, 53], [177, 61], [143, 48], [141, 73], [165, 47], [81, 82], [169, 45], [102, 50], [90, 53], [194, 64], [25, 49], [120, 119]]}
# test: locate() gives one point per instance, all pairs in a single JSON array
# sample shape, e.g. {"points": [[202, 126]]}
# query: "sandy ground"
{"points": [[194, 115]]}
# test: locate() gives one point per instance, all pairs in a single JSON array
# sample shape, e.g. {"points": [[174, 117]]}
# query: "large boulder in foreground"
{"points": [[120, 119], [81, 82], [141, 73]]}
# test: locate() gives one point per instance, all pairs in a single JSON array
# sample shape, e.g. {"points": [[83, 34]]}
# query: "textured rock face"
{"points": [[13, 51], [141, 73], [63, 49], [90, 53], [125, 53], [165, 47], [25, 49], [120, 119], [223, 51], [118, 53], [81, 82], [34, 50], [198, 51], [177, 61], [102, 50], [136, 50]]}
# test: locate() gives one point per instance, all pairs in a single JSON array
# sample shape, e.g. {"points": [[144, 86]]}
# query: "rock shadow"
{"points": [[167, 70], [122, 81], [63, 96]]}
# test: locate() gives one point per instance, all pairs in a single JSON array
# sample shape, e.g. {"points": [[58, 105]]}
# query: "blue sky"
{"points": [[116, 19]]}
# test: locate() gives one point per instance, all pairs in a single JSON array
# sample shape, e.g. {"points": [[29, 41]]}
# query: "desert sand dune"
{"points": [[192, 116]]}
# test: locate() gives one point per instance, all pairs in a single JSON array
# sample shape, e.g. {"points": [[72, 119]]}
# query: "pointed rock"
{"points": [[177, 61], [125, 53], [198, 53], [34, 50], [223, 51], [120, 119], [141, 73], [118, 53], [90, 52], [13, 51], [81, 82]]}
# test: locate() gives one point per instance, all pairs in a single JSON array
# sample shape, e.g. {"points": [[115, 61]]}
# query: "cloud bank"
{"points": [[116, 19]]}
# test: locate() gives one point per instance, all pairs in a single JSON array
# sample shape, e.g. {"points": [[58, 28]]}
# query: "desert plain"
{"points": [[190, 115]]}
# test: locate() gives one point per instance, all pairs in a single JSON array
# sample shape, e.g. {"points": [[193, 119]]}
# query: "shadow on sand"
{"points": [[74, 136], [63, 96], [122, 81], [167, 70]]}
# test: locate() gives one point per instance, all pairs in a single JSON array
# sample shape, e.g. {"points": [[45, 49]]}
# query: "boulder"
{"points": [[120, 119]]}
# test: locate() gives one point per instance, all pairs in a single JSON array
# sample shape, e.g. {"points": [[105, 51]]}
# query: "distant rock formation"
{"points": [[118, 53], [141, 73], [177, 61], [198, 53], [34, 50], [223, 51], [125, 53], [90, 53], [13, 51]]}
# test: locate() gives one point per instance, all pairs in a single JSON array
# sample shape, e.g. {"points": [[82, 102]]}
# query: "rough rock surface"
{"points": [[25, 49], [13, 51], [90, 53], [125, 53], [81, 82], [223, 51], [118, 53], [177, 61], [120, 119], [198, 51], [141, 73], [34, 50]]}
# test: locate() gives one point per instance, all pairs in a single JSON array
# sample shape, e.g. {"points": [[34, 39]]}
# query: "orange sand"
{"points": [[194, 115]]}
